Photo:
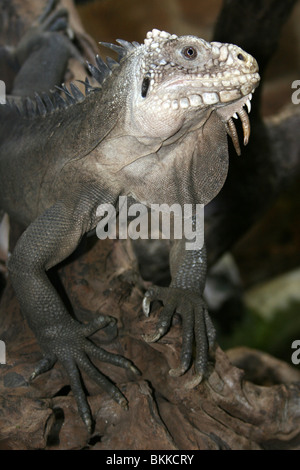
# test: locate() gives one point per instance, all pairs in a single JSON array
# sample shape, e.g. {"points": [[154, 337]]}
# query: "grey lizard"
{"points": [[155, 129]]}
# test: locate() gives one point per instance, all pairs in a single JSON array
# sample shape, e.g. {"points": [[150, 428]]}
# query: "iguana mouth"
{"points": [[228, 103], [231, 129], [243, 115], [238, 111]]}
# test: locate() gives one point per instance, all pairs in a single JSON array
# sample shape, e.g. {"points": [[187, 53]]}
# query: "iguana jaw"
{"points": [[237, 110]]}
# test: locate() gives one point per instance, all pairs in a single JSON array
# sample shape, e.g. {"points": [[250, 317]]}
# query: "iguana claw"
{"points": [[73, 350], [146, 305], [196, 324]]}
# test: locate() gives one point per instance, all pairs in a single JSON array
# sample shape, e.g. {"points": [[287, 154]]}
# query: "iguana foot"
{"points": [[69, 345], [197, 327]]}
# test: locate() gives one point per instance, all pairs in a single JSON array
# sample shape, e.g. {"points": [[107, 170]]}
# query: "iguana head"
{"points": [[183, 79]]}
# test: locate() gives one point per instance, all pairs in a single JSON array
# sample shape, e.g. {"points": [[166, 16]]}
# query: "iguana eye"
{"points": [[189, 52]]}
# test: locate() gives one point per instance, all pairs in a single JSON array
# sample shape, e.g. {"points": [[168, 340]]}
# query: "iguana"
{"points": [[154, 128]]}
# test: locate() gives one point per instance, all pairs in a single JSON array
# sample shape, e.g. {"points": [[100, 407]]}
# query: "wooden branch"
{"points": [[225, 411]]}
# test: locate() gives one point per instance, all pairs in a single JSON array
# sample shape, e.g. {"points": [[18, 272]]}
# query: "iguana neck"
{"points": [[172, 171]]}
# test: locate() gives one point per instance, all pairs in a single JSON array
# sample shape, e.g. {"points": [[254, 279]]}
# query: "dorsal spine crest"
{"points": [[47, 103]]}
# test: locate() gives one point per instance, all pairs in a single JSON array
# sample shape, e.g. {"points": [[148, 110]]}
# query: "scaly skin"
{"points": [[155, 130]]}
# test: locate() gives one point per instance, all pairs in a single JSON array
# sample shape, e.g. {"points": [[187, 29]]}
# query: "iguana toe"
{"points": [[197, 328]]}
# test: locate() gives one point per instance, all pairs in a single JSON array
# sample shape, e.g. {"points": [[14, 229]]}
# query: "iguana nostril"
{"points": [[241, 57]]}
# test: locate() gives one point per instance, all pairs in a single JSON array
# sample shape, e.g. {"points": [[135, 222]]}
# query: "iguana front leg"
{"points": [[184, 296], [47, 241]]}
